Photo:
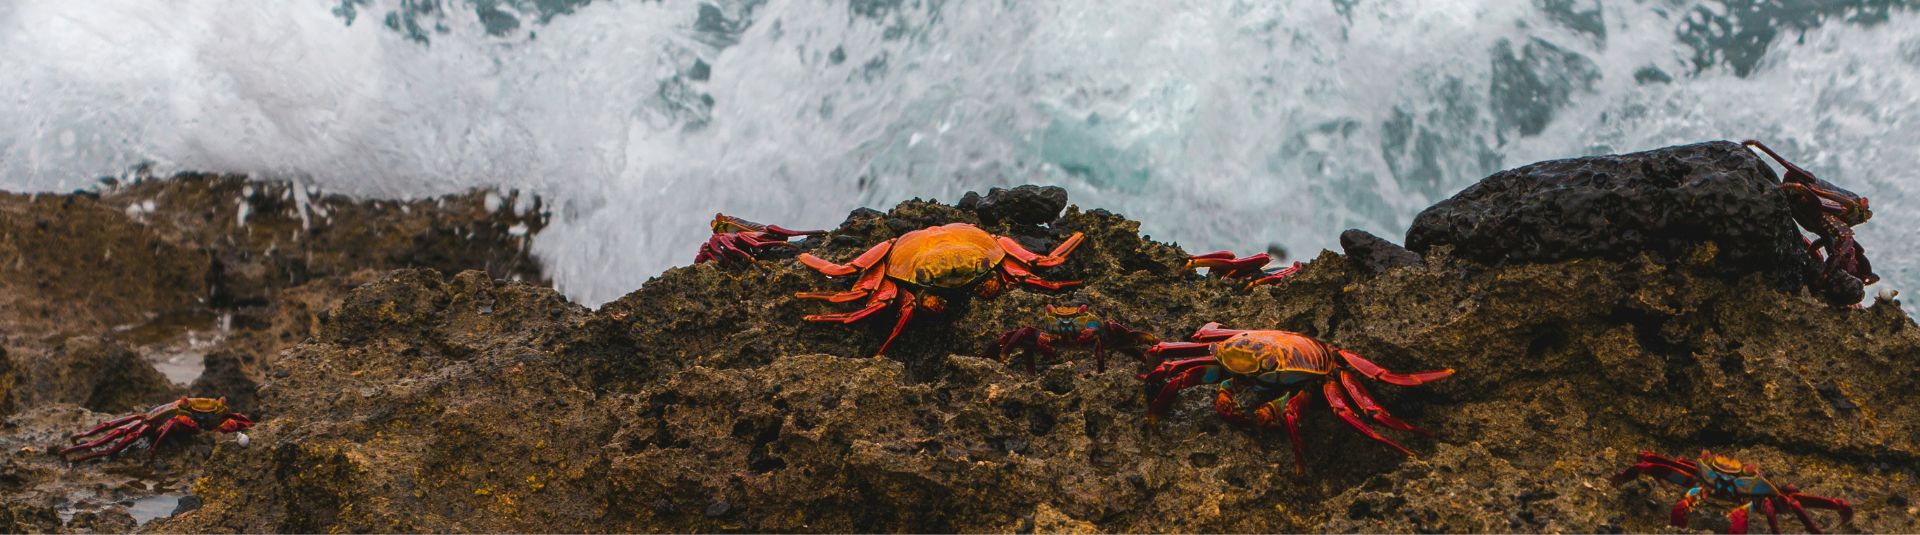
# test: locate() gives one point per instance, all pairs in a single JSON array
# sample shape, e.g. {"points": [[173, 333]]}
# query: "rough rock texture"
{"points": [[1026, 205], [119, 299], [1661, 202], [702, 403], [1374, 255]]}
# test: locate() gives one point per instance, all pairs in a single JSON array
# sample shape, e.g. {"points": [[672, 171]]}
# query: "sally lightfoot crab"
{"points": [[1281, 369], [1225, 265], [1725, 479], [183, 416], [1830, 212], [1074, 326], [737, 240], [921, 269]]}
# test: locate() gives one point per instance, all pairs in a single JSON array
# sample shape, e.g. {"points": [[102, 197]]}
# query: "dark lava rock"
{"points": [[1375, 255], [1026, 205], [1661, 202], [98, 374], [231, 374], [115, 520], [426, 415]]}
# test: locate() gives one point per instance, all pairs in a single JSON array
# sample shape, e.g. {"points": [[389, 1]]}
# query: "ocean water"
{"points": [[1220, 124]]}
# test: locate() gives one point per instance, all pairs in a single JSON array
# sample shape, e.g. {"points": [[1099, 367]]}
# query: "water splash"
{"points": [[1222, 125]]}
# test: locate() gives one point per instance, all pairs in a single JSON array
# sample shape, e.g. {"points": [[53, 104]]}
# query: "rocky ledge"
{"points": [[701, 402]]}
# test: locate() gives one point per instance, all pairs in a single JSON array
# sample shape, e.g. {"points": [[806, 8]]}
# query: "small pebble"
{"points": [[244, 440]]}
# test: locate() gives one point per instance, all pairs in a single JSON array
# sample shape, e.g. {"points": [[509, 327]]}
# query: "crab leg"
{"points": [[109, 437], [1165, 350], [1675, 471], [1794, 501], [1099, 349], [1338, 402], [906, 313], [1211, 332], [1276, 275], [1375, 372], [105, 426], [1686, 504], [125, 440], [1228, 407], [864, 261], [1296, 403], [1773, 520], [879, 301], [1794, 172], [1170, 392], [789, 233], [1055, 258], [153, 447], [1737, 519], [1029, 337], [1022, 275], [1225, 264], [1365, 400], [869, 282]]}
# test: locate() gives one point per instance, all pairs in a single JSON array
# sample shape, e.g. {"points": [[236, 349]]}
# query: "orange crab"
{"points": [[935, 262]]}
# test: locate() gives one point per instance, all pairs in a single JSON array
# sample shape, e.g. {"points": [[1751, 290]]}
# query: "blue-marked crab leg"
{"points": [[1338, 402], [1685, 506]]}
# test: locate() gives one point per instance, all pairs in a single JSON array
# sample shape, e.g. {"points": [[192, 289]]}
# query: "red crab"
{"points": [[1225, 265], [185, 415], [738, 240], [1725, 479], [1282, 369], [1831, 213], [936, 262], [1072, 325]]}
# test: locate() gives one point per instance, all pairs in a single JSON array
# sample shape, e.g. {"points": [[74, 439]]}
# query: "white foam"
{"points": [[1222, 125]]}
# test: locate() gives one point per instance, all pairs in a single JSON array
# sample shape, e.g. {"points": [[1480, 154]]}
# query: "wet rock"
{"points": [[26, 518], [1374, 255], [113, 520], [98, 374], [1026, 205], [1662, 202]]}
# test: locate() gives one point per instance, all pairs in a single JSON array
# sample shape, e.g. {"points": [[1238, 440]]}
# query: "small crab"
{"points": [[1223, 264], [937, 262], [1282, 369], [1831, 213], [738, 240], [185, 415], [1725, 479], [1072, 325]]}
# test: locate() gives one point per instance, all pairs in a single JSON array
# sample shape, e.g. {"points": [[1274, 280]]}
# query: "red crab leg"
{"points": [[1023, 276], [1737, 520], [762, 239], [879, 301], [1166, 350], [868, 282], [1055, 258], [1296, 403], [1796, 500], [105, 426], [1338, 402], [864, 261], [906, 313], [153, 446], [1225, 264], [1171, 391], [1029, 337], [235, 422], [1659, 467], [1099, 349], [126, 439], [110, 437], [1365, 400], [1168, 369], [1226, 406], [1211, 332], [1685, 506], [1794, 172], [1773, 520], [723, 245], [1374, 371], [1276, 276]]}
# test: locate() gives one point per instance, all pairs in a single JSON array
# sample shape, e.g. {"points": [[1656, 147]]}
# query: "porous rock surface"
{"points": [[701, 402]]}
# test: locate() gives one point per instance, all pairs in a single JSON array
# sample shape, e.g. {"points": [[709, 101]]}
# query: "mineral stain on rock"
{"points": [[425, 400]]}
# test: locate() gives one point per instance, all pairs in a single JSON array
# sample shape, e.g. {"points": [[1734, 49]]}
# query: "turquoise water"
{"points": [[1219, 124]]}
